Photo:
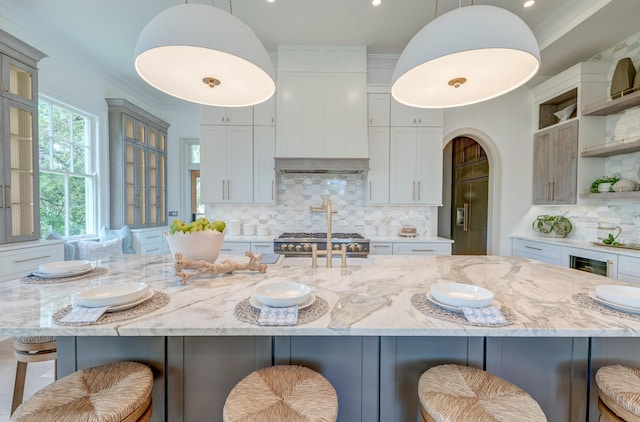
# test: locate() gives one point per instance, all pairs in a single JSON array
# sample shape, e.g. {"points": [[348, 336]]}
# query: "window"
{"points": [[191, 178], [67, 175]]}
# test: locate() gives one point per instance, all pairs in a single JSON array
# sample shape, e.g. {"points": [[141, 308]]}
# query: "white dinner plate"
{"points": [[64, 267], [310, 301], [621, 295], [616, 306], [456, 309], [137, 302], [458, 294], [283, 294], [111, 294], [62, 275]]}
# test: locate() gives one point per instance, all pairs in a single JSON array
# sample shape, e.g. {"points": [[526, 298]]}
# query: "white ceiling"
{"points": [[103, 33]]}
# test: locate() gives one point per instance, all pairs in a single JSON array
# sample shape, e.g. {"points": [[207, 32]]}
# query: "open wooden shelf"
{"points": [[611, 195], [608, 150], [605, 108]]}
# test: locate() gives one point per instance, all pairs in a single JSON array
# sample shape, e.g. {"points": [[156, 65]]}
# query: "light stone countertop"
{"points": [[582, 244], [363, 300]]}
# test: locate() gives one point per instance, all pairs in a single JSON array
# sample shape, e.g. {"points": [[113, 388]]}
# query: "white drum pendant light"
{"points": [[205, 55], [468, 55]]}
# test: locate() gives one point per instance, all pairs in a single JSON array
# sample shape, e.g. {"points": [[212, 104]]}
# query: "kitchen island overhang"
{"points": [[371, 340]]}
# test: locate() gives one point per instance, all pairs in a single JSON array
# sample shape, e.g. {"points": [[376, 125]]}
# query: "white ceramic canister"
{"points": [[249, 229], [234, 228], [263, 230]]}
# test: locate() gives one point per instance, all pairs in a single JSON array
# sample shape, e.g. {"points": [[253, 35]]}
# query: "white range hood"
{"points": [[321, 165]]}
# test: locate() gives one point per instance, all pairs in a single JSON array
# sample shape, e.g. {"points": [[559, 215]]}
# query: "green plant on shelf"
{"points": [[604, 179], [557, 225]]}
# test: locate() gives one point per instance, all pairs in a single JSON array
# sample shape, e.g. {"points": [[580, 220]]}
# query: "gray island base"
{"points": [[372, 345]]}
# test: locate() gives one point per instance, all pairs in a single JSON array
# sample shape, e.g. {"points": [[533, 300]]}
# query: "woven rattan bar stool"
{"points": [[29, 349], [457, 393], [619, 393], [116, 392], [283, 393]]}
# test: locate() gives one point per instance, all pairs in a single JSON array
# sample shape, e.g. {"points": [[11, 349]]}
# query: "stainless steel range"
{"points": [[299, 244]]}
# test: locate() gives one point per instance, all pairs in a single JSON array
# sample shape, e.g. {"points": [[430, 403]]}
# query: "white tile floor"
{"points": [[39, 374]]}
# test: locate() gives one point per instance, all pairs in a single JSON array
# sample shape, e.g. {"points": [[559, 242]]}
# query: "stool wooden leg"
{"points": [[18, 387]]}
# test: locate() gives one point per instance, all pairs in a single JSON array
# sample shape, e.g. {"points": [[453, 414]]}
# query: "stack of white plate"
{"points": [[116, 296], [60, 269], [283, 294], [454, 296], [622, 298]]}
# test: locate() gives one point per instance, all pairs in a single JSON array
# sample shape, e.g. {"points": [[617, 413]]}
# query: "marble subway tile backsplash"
{"points": [[296, 193]]}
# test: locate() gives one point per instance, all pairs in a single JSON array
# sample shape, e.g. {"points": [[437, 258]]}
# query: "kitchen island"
{"points": [[372, 344]]}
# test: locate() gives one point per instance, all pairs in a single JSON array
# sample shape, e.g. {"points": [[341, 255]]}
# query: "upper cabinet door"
{"points": [[264, 114], [19, 81], [237, 116], [378, 109], [402, 115], [429, 173]]}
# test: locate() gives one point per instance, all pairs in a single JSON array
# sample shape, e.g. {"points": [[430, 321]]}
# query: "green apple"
{"points": [[195, 226], [182, 226], [203, 221], [219, 225]]}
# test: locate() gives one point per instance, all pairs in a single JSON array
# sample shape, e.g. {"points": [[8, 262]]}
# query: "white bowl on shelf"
{"points": [[565, 113], [111, 294], [282, 294], [462, 295], [621, 295]]}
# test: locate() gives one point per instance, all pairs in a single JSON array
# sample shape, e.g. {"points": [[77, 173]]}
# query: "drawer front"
{"points": [[530, 249], [153, 248], [416, 248], [19, 262], [258, 248], [628, 278], [235, 248], [629, 265], [150, 236], [377, 248]]}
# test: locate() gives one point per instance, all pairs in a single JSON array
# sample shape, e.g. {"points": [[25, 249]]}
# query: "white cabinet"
{"points": [[322, 115], [261, 247], [545, 252], [226, 169], [377, 188], [264, 114], [381, 248], [422, 248], [378, 109], [235, 248], [416, 165], [236, 116], [20, 259], [264, 174], [629, 269], [402, 115], [149, 241]]}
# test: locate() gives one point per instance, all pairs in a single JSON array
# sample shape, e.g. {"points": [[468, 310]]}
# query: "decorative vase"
{"points": [[623, 78], [604, 187]]}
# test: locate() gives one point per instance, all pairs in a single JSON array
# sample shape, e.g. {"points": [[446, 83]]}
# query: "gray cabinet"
{"points": [[138, 162], [555, 165], [19, 189]]}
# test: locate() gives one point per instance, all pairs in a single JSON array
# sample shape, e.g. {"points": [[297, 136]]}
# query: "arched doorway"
{"points": [[465, 214]]}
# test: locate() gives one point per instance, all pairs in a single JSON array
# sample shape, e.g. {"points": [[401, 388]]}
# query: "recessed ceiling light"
{"points": [[529, 3], [271, 1], [376, 2]]}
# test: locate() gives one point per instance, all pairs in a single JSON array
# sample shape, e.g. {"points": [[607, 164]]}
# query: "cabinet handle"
{"points": [[532, 247], [548, 191], [370, 120], [418, 190], [465, 217], [33, 259], [222, 120], [227, 119], [273, 120], [414, 191], [152, 237], [223, 189], [553, 191], [273, 190], [414, 121], [6, 193], [421, 250], [228, 190], [226, 250], [2, 207], [381, 246], [609, 263], [256, 245], [419, 120], [370, 190]]}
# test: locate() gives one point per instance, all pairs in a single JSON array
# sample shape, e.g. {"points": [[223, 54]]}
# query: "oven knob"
{"points": [[298, 248], [291, 247], [352, 247], [359, 248], [283, 247], [336, 247], [307, 247]]}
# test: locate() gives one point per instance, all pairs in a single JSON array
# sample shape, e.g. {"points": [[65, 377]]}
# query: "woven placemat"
{"points": [[158, 300], [427, 308], [585, 300], [247, 313], [34, 279]]}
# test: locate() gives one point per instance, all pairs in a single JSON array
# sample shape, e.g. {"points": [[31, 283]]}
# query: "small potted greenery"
{"points": [[552, 225], [611, 180]]}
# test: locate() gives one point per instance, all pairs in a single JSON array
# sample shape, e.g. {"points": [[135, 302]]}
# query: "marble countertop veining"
{"points": [[363, 299]]}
